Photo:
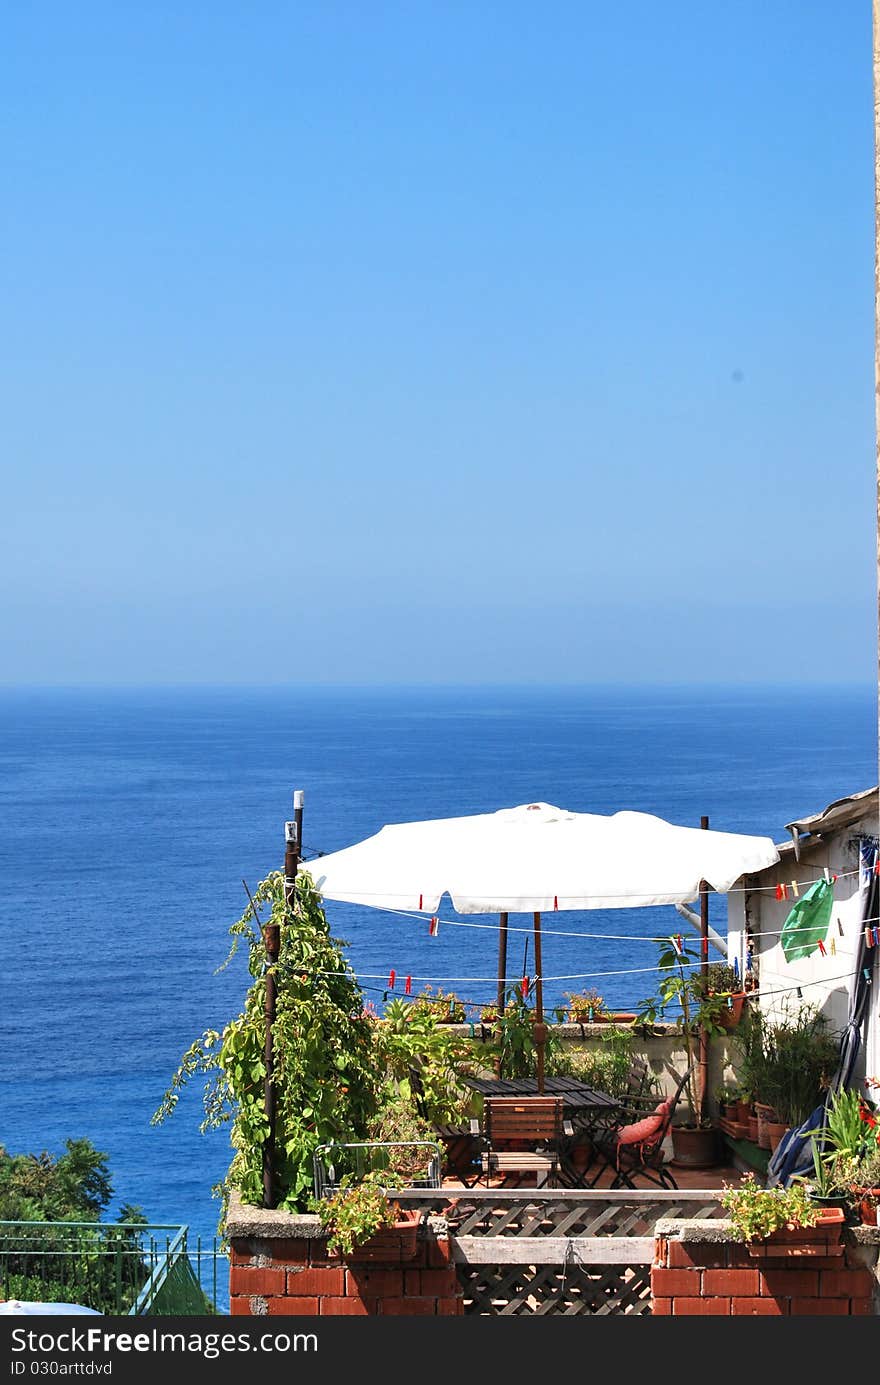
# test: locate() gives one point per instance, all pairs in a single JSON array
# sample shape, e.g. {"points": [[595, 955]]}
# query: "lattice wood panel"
{"points": [[571, 1289], [529, 1216]]}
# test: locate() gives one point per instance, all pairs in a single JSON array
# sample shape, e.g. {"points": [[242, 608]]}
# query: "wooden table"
{"points": [[578, 1099]]}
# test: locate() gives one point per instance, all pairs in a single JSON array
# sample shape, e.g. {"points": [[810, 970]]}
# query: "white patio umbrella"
{"points": [[536, 858]]}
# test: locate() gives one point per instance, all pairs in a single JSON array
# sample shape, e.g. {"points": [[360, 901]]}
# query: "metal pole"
{"points": [[703, 1085], [876, 66], [502, 977], [540, 1028], [272, 940]]}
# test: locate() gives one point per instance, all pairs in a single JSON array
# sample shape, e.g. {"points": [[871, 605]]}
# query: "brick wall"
{"points": [[718, 1277], [280, 1265]]}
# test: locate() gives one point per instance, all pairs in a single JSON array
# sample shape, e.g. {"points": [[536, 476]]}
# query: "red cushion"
{"points": [[643, 1130]]}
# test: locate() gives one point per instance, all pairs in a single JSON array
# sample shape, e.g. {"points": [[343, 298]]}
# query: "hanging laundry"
{"points": [[807, 922]]}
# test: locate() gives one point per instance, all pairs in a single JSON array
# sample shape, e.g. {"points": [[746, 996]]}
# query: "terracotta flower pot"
{"points": [[776, 1130], [869, 1207], [753, 1129], [765, 1114], [743, 1111], [694, 1149], [803, 1242], [392, 1243], [730, 1018]]}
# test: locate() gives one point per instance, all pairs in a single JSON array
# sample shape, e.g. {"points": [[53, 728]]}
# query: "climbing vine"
{"points": [[328, 1086]]}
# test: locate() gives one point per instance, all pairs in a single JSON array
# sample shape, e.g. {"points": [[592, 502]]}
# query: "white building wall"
{"points": [[824, 981]]}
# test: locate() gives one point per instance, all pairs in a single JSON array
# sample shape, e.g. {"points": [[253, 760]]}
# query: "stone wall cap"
{"points": [[719, 1230], [269, 1223]]}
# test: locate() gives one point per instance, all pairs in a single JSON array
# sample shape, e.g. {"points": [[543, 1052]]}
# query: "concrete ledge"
{"points": [[269, 1223], [720, 1232]]}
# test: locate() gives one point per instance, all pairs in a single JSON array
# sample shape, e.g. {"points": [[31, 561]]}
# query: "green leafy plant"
{"points": [[329, 1084], [757, 1212], [682, 985], [425, 1062], [607, 1067], [513, 1042], [443, 1005], [787, 1063], [586, 1006], [356, 1212]]}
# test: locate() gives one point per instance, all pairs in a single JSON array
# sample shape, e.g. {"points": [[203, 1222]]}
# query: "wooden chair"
{"points": [[523, 1135]]}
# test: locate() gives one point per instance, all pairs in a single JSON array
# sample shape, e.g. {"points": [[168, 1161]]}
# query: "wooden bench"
{"points": [[523, 1135]]}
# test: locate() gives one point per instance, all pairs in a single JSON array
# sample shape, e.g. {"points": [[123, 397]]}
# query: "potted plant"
{"points": [[445, 1006], [586, 1007], [724, 983], [848, 1150], [695, 1143], [778, 1223], [365, 1224]]}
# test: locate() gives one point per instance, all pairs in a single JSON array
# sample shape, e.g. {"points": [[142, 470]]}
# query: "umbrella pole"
{"points": [[540, 1029], [502, 978]]}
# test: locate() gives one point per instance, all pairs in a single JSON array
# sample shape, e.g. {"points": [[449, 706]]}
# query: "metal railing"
{"points": [[119, 1268]]}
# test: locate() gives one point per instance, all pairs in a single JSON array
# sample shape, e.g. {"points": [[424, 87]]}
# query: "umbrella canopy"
{"points": [[537, 858]]}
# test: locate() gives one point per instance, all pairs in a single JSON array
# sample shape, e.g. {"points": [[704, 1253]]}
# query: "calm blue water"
{"points": [[130, 818]]}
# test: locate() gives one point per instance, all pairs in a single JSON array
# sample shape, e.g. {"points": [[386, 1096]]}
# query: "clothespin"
{"points": [[421, 897], [794, 889], [384, 996], [877, 866], [407, 986], [839, 926], [833, 947], [524, 987], [749, 958], [867, 974], [869, 937], [877, 937], [730, 1002], [833, 878], [780, 892], [822, 948], [736, 967], [556, 901], [392, 977], [433, 927], [800, 994], [827, 873]]}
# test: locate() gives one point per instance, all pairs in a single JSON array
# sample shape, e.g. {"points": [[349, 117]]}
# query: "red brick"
{"points": [[450, 1307], [861, 1307], [435, 1282], [312, 1280], [844, 1283], [701, 1307], [412, 1281], [292, 1307], [820, 1307], [736, 1283], [360, 1279], [685, 1255], [662, 1307], [790, 1283], [758, 1308], [438, 1252], [671, 1283], [239, 1306], [240, 1252], [296, 1252], [348, 1307], [248, 1279], [408, 1307]]}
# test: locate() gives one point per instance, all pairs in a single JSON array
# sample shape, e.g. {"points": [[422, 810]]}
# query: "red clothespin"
{"points": [[421, 897], [392, 977], [869, 937], [556, 901], [679, 946], [780, 892], [524, 987], [822, 948], [833, 878], [433, 927], [407, 986], [877, 866]]}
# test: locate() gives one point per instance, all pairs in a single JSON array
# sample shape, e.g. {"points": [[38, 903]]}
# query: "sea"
{"points": [[130, 821]]}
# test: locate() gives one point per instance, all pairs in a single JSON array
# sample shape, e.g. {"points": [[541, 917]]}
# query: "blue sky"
{"points": [[437, 342]]}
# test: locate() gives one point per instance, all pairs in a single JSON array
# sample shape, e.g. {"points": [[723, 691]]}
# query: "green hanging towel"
{"points": [[808, 922]]}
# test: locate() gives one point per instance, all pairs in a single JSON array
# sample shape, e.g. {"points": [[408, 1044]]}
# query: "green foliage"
{"points": [[585, 1006], [445, 1006], [607, 1068], [788, 1063], [424, 1060], [682, 985], [846, 1153], [356, 1213], [328, 1081], [514, 1040], [757, 1212], [98, 1266]]}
